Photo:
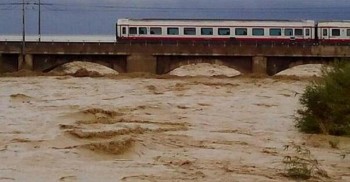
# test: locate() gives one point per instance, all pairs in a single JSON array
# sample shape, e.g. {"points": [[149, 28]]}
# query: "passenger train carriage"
{"points": [[234, 30], [333, 31], [247, 30]]}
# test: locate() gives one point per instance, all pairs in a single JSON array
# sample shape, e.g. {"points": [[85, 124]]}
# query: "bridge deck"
{"points": [[177, 48]]}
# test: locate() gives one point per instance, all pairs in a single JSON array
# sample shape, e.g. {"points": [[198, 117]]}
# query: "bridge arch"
{"points": [[165, 64], [46, 63], [278, 64]]}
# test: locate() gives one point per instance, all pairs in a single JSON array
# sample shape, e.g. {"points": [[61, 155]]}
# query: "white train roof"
{"points": [[343, 23], [214, 22]]}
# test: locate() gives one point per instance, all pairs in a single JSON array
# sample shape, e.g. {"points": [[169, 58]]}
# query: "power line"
{"points": [[95, 7]]}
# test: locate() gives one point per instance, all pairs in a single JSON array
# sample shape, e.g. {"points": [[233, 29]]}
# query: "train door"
{"points": [[325, 33], [308, 33], [125, 31], [122, 31]]}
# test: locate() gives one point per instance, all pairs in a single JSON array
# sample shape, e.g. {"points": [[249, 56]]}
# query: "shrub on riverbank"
{"points": [[326, 102]]}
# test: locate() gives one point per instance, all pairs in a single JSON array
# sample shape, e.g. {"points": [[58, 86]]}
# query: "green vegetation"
{"points": [[301, 165], [327, 102]]}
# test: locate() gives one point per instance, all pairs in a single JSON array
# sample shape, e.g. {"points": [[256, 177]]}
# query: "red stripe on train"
{"points": [[210, 39], [232, 39]]}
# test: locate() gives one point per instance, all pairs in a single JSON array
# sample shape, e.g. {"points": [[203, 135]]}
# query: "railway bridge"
{"points": [[162, 57]]}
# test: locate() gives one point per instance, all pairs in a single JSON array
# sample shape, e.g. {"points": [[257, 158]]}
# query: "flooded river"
{"points": [[138, 129]]}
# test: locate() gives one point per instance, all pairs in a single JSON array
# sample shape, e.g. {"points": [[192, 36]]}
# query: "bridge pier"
{"points": [[259, 65], [27, 63], [139, 62]]}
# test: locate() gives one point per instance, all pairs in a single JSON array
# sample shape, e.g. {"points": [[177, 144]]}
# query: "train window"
{"points": [[299, 32], [132, 30], [241, 31], [307, 32], [189, 31], [124, 30], [258, 32], [142, 30], [156, 31], [206, 31], [324, 32], [335, 32], [288, 32], [224, 31], [173, 31], [348, 32], [275, 32]]}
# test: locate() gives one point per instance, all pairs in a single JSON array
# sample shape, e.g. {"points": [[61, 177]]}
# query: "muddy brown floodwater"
{"points": [[138, 129]]}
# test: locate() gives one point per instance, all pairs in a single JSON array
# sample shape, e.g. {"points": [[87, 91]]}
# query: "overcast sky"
{"points": [[99, 16]]}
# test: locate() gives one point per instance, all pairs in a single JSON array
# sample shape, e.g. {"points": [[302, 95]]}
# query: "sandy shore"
{"points": [[189, 129]]}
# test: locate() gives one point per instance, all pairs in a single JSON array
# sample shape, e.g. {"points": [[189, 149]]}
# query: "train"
{"points": [[316, 32]]}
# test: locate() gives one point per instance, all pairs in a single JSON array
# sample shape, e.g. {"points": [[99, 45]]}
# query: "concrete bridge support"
{"points": [[259, 65], [139, 62], [26, 63]]}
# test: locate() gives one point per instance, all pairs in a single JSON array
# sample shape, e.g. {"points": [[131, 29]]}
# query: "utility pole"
{"points": [[39, 21], [23, 32]]}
